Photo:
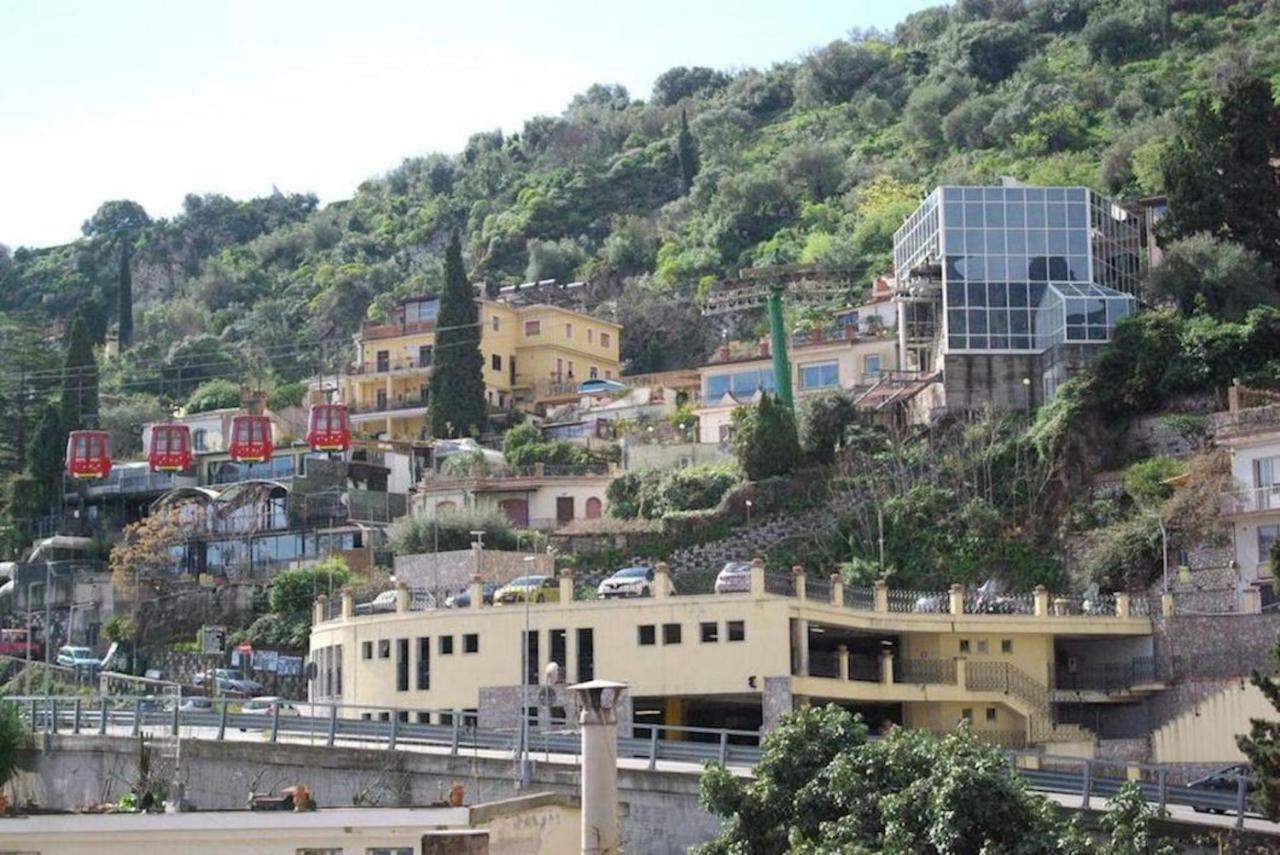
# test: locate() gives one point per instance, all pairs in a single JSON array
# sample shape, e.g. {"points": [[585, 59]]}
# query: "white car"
{"points": [[629, 582], [267, 705], [195, 704], [734, 577]]}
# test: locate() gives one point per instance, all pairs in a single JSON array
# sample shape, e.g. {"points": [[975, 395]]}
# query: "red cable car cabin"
{"points": [[170, 449], [88, 454], [250, 439], [327, 428]]}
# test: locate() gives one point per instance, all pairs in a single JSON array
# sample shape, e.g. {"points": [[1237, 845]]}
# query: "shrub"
{"points": [[451, 530], [524, 446], [214, 395], [764, 438], [824, 419], [655, 493], [294, 591], [1144, 481]]}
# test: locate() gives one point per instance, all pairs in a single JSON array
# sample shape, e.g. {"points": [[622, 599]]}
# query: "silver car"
{"points": [[734, 577]]}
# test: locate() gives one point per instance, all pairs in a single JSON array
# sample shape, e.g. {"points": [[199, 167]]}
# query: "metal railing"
{"points": [[778, 583], [399, 402], [817, 589], [862, 599], [1006, 678], [932, 602], [1252, 499], [922, 672], [977, 602], [1108, 676]]}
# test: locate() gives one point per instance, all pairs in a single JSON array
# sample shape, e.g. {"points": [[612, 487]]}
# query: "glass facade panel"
{"points": [[819, 375], [742, 384]]}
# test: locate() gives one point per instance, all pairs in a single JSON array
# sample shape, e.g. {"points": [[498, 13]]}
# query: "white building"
{"points": [[1252, 436]]}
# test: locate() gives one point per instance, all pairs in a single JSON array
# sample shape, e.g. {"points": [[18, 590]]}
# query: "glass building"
{"points": [[1022, 268]]}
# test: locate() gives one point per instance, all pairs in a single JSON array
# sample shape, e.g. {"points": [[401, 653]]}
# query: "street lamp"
{"points": [[748, 512], [1026, 393]]}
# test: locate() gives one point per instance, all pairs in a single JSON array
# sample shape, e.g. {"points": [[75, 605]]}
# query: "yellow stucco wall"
{"points": [[1206, 733]]}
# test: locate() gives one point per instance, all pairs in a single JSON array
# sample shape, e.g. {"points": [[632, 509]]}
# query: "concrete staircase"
{"points": [[1032, 700]]}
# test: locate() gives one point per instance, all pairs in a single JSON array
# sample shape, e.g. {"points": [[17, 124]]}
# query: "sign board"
{"points": [[289, 666], [265, 660], [213, 639]]}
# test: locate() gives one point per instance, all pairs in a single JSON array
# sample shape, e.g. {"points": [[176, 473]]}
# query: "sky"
{"points": [[153, 99]]}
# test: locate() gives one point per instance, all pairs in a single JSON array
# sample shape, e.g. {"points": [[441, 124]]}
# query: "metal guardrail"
{"points": [[391, 728]]}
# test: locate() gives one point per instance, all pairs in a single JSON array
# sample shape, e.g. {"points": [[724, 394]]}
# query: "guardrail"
{"points": [[458, 731]]}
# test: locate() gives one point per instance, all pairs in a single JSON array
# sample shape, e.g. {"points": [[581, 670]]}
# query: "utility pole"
{"points": [[778, 347]]}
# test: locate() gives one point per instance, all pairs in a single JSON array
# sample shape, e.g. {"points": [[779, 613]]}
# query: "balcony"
{"points": [[397, 404], [554, 388], [1246, 421], [390, 366], [370, 332], [1253, 500]]}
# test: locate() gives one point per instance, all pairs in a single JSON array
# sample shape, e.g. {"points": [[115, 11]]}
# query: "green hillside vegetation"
{"points": [[812, 161]]}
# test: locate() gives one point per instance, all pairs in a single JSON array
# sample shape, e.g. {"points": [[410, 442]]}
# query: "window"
{"points": [[471, 643], [991, 713], [366, 650], [532, 328], [446, 645], [384, 360], [331, 851], [495, 362], [558, 640], [604, 339], [384, 648], [982, 646], [737, 630], [391, 850], [571, 369], [497, 322], [645, 635], [586, 655], [402, 665], [198, 439], [966, 715], [964, 645], [1267, 536], [531, 657], [593, 373], [424, 718], [591, 336], [671, 633], [819, 375], [709, 631], [424, 663], [1006, 645], [871, 364], [568, 331], [403, 716]]}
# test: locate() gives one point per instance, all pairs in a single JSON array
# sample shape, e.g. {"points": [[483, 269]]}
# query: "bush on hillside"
{"points": [[764, 438], [654, 493], [451, 530], [524, 445], [214, 395], [1145, 481]]}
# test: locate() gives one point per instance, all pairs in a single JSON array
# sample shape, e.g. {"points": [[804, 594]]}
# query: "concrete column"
{"points": [[322, 603], [402, 598], [962, 673], [957, 599], [598, 702], [837, 590], [661, 581], [757, 577], [477, 591], [1166, 604], [348, 602], [1042, 601], [881, 595], [566, 588], [797, 575], [1122, 604], [842, 661], [886, 666], [800, 644], [1251, 601]]}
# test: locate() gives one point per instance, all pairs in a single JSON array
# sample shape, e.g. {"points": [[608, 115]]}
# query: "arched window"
{"points": [[593, 508]]}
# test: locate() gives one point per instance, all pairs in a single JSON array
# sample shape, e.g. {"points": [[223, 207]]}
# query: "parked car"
{"points": [[462, 599], [227, 680], [13, 642], [78, 657], [195, 704], [537, 589], [629, 582], [384, 602], [1226, 781], [267, 706], [733, 578]]}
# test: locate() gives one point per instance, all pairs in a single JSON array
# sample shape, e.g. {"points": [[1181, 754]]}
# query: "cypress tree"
{"points": [[457, 405], [1262, 746], [79, 379], [45, 453], [124, 297], [686, 154]]}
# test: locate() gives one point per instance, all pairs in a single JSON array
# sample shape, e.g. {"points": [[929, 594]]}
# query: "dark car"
{"points": [[462, 599], [1225, 781]]}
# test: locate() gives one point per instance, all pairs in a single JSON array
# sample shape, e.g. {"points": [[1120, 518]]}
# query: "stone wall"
{"points": [[637, 456], [776, 702], [1215, 646]]}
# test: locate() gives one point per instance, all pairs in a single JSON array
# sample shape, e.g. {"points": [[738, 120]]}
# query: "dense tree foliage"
{"points": [[765, 440], [1262, 746]]}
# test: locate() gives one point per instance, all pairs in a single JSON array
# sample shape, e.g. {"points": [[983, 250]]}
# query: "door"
{"points": [[564, 509], [516, 512], [593, 508]]}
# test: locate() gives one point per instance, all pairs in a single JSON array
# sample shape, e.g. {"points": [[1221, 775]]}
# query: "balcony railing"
{"points": [[924, 672], [398, 402], [390, 365], [1252, 499], [129, 481], [1247, 420], [395, 330]]}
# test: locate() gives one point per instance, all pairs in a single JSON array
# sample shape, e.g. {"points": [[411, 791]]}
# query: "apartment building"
{"points": [[1005, 292], [822, 360], [1250, 431], [542, 496], [743, 659], [534, 355]]}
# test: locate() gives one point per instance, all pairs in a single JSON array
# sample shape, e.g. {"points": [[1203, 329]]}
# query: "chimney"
{"points": [[599, 700]]}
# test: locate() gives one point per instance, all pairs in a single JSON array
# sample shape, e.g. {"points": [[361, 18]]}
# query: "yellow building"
{"points": [[533, 355], [741, 660]]}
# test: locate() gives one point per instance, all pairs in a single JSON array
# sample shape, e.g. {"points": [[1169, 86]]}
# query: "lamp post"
{"points": [[524, 687], [1026, 393], [749, 512]]}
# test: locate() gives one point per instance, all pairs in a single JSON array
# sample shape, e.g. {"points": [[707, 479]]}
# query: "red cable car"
{"points": [[170, 449], [88, 454], [251, 440], [327, 428]]}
